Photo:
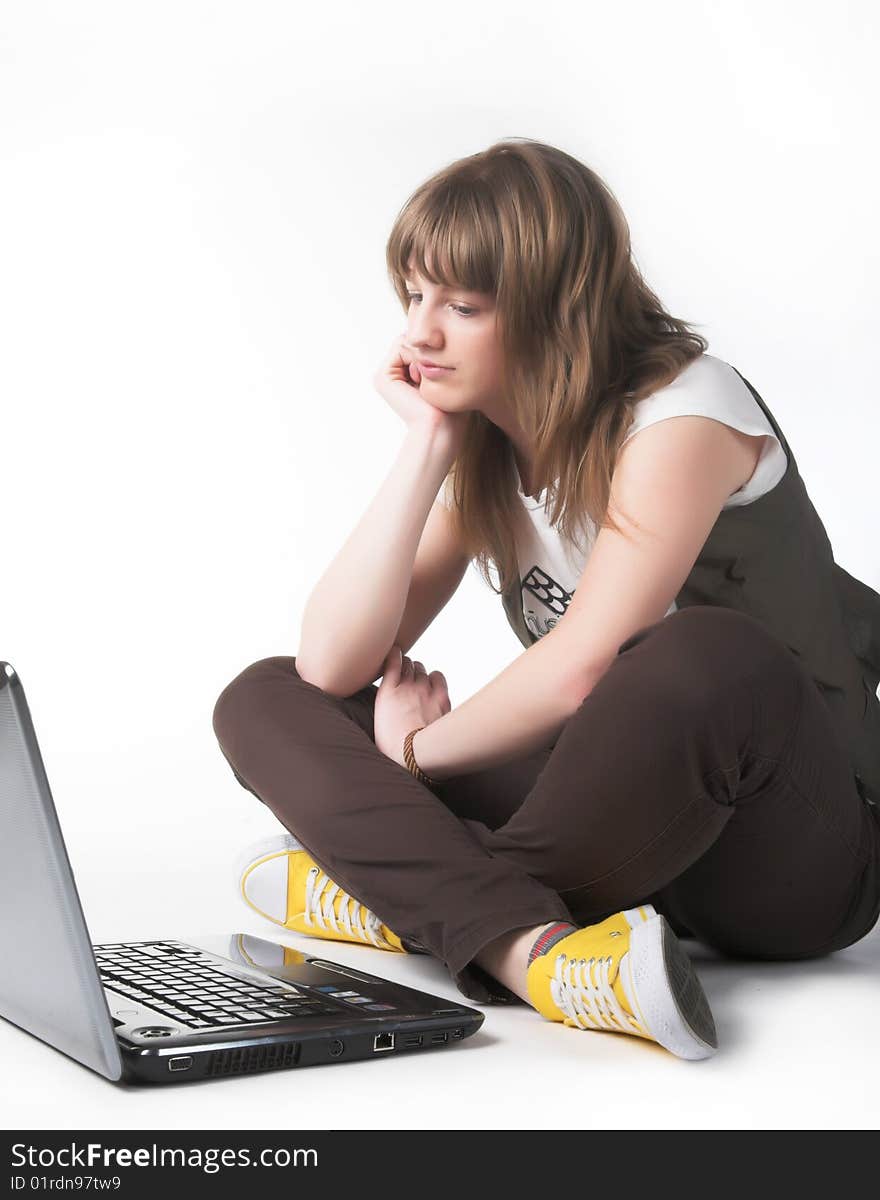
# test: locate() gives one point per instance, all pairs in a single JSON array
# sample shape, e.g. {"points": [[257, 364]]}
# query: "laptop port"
{"points": [[180, 1062], [411, 1040], [457, 1033], [383, 1041], [438, 1038]]}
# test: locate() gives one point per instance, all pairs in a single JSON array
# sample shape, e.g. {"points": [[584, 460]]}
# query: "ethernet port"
{"points": [[383, 1041]]}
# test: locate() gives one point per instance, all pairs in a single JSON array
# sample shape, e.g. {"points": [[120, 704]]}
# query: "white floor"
{"points": [[799, 1042]]}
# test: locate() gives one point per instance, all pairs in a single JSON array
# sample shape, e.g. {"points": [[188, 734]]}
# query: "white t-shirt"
{"points": [[550, 567]]}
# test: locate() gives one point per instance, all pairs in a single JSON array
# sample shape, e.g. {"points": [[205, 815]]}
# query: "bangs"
{"points": [[449, 236]]}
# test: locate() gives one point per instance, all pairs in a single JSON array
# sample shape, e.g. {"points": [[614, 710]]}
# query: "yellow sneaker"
{"points": [[278, 879], [628, 974]]}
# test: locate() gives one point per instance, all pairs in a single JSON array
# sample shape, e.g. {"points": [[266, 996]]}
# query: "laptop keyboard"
{"points": [[187, 985]]}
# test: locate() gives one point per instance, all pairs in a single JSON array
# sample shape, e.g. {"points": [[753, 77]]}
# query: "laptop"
{"points": [[171, 1010]]}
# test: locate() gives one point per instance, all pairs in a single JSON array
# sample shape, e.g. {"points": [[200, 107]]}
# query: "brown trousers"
{"points": [[701, 774]]}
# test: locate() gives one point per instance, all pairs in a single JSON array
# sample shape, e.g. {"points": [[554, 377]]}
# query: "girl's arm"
{"points": [[673, 479], [354, 612]]}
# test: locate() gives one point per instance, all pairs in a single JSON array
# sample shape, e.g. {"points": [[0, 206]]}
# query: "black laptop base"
{"points": [[214, 1060], [174, 1035]]}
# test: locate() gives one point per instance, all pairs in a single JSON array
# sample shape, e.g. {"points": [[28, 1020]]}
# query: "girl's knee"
{"points": [[702, 623], [712, 644], [236, 701], [714, 622], [708, 627]]}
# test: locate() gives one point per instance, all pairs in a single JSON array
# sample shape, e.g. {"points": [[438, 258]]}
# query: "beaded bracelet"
{"points": [[410, 758]]}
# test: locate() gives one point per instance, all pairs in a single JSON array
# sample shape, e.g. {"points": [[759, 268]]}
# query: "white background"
{"points": [[194, 204]]}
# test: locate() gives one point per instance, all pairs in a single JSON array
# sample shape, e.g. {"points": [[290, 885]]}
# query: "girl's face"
{"points": [[457, 329]]}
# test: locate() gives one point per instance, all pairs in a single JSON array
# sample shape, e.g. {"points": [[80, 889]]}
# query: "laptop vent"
{"points": [[246, 1059]]}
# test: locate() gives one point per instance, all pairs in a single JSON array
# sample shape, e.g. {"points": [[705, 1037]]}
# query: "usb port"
{"points": [[180, 1062], [383, 1041], [412, 1039], [438, 1038]]}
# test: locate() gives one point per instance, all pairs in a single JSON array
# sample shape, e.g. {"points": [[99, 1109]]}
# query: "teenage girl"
{"points": [[645, 770]]}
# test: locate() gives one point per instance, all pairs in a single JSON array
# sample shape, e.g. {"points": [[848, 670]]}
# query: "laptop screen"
{"points": [[49, 983]]}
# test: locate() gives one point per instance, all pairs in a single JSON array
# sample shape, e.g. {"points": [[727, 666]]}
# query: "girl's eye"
{"points": [[463, 309]]}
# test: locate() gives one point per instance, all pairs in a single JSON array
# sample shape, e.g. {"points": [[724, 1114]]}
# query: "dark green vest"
{"points": [[772, 559]]}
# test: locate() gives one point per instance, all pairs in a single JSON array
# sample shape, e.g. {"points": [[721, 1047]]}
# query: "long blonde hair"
{"points": [[583, 337]]}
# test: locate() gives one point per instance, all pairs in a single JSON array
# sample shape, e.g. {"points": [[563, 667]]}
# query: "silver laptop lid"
{"points": [[49, 982]]}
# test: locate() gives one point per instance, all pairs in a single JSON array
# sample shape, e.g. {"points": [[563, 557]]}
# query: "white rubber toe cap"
{"points": [[261, 876]]}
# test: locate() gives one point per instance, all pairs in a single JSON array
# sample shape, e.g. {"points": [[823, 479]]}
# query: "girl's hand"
{"points": [[398, 380], [407, 698]]}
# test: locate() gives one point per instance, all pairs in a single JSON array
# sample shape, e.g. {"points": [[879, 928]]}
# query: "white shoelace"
{"points": [[320, 909], [587, 997]]}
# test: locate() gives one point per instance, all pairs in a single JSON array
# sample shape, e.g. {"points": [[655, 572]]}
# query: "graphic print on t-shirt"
{"points": [[549, 595]]}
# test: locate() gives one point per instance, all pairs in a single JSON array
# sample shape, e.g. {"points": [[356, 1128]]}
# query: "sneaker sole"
{"points": [[274, 889], [673, 1004]]}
